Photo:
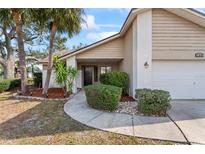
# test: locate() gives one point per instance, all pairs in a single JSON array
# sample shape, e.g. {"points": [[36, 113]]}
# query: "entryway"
{"points": [[90, 75]]}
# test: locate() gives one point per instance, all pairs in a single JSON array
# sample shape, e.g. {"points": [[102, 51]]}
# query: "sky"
{"points": [[101, 23]]}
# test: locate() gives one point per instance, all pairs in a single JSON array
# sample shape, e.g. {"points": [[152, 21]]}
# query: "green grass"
{"points": [[44, 122]]}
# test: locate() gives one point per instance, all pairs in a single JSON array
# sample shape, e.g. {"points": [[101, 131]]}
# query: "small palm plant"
{"points": [[72, 74], [65, 76]]}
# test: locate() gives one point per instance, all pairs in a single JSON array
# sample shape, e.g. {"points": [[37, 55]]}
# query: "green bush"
{"points": [[4, 85], [153, 102], [37, 79], [119, 79], [15, 83], [103, 97], [9, 84]]}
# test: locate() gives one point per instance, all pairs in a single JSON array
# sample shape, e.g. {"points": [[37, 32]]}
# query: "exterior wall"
{"points": [[142, 51], [127, 64], [71, 61], [175, 37], [53, 82], [112, 49], [79, 79]]}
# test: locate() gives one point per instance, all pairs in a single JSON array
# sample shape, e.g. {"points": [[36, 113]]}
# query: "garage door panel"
{"points": [[183, 79]]}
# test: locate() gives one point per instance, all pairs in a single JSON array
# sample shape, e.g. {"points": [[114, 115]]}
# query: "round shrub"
{"points": [[119, 79], [4, 85], [7, 84], [153, 102], [103, 97]]}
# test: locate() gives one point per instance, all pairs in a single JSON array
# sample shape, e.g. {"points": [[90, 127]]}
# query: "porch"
{"points": [[90, 70]]}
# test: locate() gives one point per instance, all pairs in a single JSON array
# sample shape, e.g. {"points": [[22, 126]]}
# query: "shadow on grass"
{"points": [[46, 118]]}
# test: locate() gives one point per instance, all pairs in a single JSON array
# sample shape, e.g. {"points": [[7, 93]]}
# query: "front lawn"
{"points": [[44, 122]]}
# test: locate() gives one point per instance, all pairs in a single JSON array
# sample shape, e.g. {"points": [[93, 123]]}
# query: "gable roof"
{"points": [[56, 53], [187, 13]]}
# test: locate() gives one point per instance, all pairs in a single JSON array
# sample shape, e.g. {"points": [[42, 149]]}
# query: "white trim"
{"points": [[110, 58], [144, 50], [130, 19], [134, 58]]}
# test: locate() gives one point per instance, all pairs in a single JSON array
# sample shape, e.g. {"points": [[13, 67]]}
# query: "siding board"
{"points": [[112, 49], [174, 37]]}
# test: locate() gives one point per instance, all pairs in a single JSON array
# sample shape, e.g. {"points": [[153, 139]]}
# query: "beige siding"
{"points": [[112, 49], [127, 62], [174, 37]]}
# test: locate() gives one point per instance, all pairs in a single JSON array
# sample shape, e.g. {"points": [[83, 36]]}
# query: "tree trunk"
{"points": [[10, 57], [50, 59], [21, 53], [4, 65], [10, 65]]}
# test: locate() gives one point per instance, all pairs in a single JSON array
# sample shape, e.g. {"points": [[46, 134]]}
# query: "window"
{"points": [[105, 69]]}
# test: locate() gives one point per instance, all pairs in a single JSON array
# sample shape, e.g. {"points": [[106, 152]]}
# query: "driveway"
{"points": [[190, 118]]}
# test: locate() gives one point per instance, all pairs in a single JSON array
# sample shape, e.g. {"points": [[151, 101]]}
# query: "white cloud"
{"points": [[109, 25], [91, 24], [99, 36], [121, 10]]}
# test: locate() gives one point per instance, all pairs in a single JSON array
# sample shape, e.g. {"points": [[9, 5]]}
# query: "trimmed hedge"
{"points": [[103, 97], [153, 102], [4, 85], [9, 84], [37, 79], [119, 79]]}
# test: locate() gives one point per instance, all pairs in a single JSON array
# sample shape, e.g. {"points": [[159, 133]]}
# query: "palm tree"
{"points": [[16, 16], [60, 21]]}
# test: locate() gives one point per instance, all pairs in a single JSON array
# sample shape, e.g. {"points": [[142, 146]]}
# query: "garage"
{"points": [[183, 79]]}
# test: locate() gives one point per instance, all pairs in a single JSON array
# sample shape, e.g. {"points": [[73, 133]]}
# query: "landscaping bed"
{"points": [[127, 98], [153, 103], [129, 107], [53, 93]]}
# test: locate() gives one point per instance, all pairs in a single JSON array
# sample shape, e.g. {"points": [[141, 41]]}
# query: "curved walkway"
{"points": [[139, 126]]}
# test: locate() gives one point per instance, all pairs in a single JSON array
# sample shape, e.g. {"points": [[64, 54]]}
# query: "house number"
{"points": [[199, 54]]}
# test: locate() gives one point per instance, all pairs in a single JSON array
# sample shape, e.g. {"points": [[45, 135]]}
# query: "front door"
{"points": [[88, 75]]}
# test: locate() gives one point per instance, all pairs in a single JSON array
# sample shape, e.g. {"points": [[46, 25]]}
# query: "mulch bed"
{"points": [[53, 93], [127, 98]]}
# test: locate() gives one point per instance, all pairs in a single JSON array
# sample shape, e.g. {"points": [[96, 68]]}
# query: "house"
{"points": [[158, 48], [31, 66]]}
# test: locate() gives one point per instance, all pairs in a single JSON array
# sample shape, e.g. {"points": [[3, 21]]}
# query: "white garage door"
{"points": [[183, 79]]}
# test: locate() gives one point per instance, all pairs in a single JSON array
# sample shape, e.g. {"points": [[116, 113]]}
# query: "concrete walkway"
{"points": [[189, 115], [140, 126]]}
